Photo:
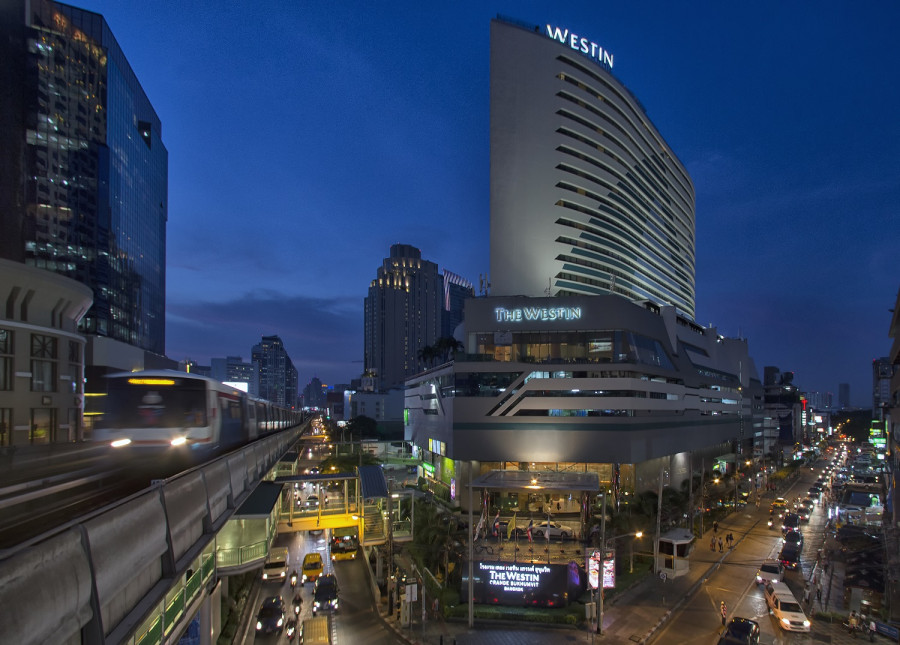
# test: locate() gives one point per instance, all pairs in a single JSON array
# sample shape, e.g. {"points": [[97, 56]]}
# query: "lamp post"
{"points": [[606, 544]]}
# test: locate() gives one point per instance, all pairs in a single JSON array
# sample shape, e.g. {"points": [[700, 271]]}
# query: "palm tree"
{"points": [[427, 355]]}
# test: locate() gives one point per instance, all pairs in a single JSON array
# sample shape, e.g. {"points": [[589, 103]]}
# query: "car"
{"points": [[779, 502], [770, 570], [790, 557], [551, 529], [325, 595], [790, 522], [344, 548], [804, 511], [794, 538], [312, 502], [785, 608], [810, 501], [270, 618], [740, 631], [312, 567]]}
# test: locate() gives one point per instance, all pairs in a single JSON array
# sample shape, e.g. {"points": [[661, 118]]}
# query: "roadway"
{"points": [[734, 582], [356, 620]]}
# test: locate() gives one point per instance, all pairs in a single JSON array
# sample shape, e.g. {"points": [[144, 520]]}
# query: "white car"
{"points": [[553, 529], [785, 608], [770, 570]]}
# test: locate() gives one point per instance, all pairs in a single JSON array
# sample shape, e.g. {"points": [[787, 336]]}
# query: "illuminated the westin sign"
{"points": [[581, 44], [513, 577], [537, 313]]}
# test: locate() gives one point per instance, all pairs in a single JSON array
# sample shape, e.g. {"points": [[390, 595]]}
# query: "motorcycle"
{"points": [[290, 629], [293, 578], [298, 602], [770, 522]]}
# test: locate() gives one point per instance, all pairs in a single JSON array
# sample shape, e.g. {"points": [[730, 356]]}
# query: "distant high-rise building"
{"points": [[403, 314], [314, 394], [844, 395], [232, 369], [277, 376], [84, 172], [820, 401], [587, 198], [456, 290], [882, 373]]}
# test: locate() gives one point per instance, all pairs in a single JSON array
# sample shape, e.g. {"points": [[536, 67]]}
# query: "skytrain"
{"points": [[166, 410]]}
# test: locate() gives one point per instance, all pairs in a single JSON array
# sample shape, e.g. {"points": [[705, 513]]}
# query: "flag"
{"points": [[480, 527], [496, 528], [511, 527], [530, 526]]}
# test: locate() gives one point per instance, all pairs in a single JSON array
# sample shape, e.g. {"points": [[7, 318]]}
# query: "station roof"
{"points": [[261, 501], [372, 482], [538, 480]]}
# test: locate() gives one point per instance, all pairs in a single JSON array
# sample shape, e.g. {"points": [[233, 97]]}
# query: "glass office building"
{"points": [[87, 189]]}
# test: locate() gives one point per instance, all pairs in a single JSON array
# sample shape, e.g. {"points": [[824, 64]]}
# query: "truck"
{"points": [[316, 631], [276, 564]]}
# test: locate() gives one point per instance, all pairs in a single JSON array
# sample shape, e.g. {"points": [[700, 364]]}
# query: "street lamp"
{"points": [[606, 543]]}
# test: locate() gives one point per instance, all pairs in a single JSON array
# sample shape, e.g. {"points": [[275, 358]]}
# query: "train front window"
{"points": [[154, 406]]}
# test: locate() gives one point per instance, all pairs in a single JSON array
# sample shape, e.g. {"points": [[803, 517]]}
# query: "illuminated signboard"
{"points": [[526, 583], [609, 570], [513, 577], [594, 569], [541, 314], [581, 44]]}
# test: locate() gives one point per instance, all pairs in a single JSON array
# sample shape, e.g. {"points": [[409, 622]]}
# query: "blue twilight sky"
{"points": [[305, 138]]}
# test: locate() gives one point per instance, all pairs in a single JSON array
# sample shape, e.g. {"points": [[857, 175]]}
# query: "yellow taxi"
{"points": [[312, 567]]}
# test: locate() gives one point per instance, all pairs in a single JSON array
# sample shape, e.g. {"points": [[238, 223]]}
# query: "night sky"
{"points": [[305, 138]]}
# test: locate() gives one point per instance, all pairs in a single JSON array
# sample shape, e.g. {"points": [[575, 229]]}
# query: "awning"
{"points": [[539, 480], [372, 483]]}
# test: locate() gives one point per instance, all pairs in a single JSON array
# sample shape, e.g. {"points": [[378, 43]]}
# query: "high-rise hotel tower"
{"points": [[586, 196]]}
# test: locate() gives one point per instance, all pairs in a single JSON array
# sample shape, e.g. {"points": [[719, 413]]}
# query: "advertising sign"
{"points": [[526, 584], [609, 570]]}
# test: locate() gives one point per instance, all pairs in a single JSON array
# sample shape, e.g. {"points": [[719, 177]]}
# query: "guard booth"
{"points": [[674, 548]]}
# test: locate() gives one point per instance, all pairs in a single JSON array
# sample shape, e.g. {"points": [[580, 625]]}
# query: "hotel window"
{"points": [[43, 363], [43, 425], [6, 359], [5, 426]]}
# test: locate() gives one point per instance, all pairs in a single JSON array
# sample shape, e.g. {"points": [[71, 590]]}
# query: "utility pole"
{"points": [[602, 562], [658, 521]]}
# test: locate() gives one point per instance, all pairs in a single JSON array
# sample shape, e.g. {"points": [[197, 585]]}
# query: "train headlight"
{"points": [[118, 443], [179, 441]]}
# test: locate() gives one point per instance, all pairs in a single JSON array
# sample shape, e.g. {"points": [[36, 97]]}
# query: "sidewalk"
{"points": [[635, 615]]}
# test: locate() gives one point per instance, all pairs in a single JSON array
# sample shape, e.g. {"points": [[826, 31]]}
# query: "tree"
{"points": [[362, 426], [427, 355], [447, 346]]}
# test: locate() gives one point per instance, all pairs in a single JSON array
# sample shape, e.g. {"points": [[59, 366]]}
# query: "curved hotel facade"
{"points": [[586, 196]]}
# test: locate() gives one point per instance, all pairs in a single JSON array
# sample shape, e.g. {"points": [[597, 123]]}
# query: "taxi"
{"points": [[312, 567]]}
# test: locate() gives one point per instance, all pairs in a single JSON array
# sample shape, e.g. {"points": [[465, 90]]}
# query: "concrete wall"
{"points": [[97, 581]]}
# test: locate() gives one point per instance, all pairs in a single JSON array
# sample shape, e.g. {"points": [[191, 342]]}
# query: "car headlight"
{"points": [[265, 576], [280, 621], [806, 623], [785, 621], [316, 604], [258, 624]]}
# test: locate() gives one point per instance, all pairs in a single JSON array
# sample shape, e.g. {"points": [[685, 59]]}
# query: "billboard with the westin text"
{"points": [[525, 583]]}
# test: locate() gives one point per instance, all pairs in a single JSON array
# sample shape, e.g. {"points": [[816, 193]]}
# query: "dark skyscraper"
{"points": [[277, 374], [403, 314], [83, 179]]}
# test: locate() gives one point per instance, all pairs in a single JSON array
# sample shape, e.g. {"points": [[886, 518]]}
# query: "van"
{"points": [[785, 608], [316, 631], [276, 564]]}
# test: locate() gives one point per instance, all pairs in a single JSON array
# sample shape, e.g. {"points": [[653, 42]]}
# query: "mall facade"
{"points": [[583, 384]]}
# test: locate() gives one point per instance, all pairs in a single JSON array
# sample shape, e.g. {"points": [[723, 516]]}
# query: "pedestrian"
{"points": [[724, 611], [720, 545], [715, 527], [712, 543], [819, 594]]}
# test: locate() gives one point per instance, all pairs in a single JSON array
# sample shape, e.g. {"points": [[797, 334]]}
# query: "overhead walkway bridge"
{"points": [[141, 571]]}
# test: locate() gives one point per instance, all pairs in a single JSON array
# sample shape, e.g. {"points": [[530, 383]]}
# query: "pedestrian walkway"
{"points": [[637, 614]]}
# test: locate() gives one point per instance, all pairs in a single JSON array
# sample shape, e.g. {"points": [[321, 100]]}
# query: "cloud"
{"points": [[322, 336]]}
